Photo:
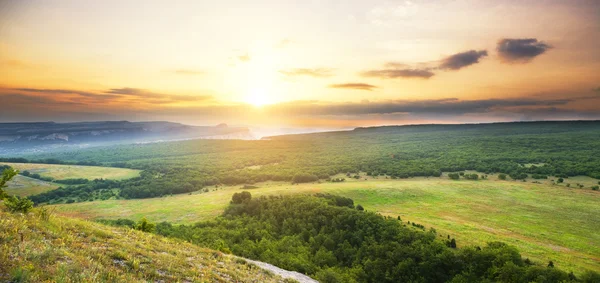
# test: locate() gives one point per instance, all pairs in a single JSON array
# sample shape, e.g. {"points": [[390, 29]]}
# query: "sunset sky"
{"points": [[320, 64]]}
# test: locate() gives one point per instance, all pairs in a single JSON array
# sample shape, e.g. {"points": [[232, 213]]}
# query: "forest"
{"points": [[517, 150], [332, 240]]}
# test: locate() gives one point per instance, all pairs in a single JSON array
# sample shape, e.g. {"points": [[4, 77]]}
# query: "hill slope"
{"points": [[69, 250], [16, 138]]}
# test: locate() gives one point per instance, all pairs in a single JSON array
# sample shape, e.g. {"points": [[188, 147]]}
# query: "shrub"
{"points": [[145, 226], [502, 176], [454, 176], [17, 204]]}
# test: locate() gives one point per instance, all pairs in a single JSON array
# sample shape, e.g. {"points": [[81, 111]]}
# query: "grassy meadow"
{"points": [[61, 172], [40, 248], [25, 186], [545, 222]]}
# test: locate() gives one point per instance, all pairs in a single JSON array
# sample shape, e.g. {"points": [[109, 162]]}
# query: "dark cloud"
{"points": [[317, 72], [358, 86], [463, 59], [450, 106], [513, 50], [399, 73], [188, 72]]}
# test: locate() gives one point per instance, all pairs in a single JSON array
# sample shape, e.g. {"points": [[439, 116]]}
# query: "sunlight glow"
{"points": [[258, 97]]}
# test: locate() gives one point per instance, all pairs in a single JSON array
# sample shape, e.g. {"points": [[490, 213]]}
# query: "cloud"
{"points": [[523, 50], [244, 58], [463, 59], [317, 72], [435, 107], [358, 86], [399, 73], [188, 72], [156, 98], [111, 96], [284, 43]]}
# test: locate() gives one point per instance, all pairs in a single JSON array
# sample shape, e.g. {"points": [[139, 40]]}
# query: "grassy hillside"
{"points": [[545, 222], [25, 186], [61, 172], [68, 250]]}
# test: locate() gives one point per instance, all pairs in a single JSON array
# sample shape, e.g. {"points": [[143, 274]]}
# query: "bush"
{"points": [[17, 204], [595, 188], [502, 176], [145, 226], [454, 176]]}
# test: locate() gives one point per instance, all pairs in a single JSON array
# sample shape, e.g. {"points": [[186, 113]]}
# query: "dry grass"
{"points": [[36, 249]]}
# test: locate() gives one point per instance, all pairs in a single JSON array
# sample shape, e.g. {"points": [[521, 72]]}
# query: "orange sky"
{"points": [[300, 63]]}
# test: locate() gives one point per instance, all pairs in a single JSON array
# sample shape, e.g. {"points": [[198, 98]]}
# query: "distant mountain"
{"points": [[48, 136]]}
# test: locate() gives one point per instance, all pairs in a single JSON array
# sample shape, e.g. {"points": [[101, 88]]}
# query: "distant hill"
{"points": [[47, 136], [502, 128], [69, 250]]}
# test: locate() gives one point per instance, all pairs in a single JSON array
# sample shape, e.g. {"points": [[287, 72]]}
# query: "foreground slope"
{"points": [[68, 250]]}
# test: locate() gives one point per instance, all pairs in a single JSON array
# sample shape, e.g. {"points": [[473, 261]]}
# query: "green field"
{"points": [[61, 172], [25, 186], [545, 222]]}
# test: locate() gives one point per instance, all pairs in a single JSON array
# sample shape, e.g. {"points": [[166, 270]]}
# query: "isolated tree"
{"points": [[502, 176], [7, 175], [560, 180], [359, 207], [550, 264]]}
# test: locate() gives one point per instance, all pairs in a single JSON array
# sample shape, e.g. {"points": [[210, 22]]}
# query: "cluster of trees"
{"points": [[328, 240], [469, 176], [395, 152]]}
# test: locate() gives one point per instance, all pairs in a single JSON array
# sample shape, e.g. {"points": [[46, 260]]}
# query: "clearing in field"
{"points": [[25, 186], [544, 222], [61, 172]]}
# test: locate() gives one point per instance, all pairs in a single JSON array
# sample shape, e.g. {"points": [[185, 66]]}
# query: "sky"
{"points": [[318, 64]]}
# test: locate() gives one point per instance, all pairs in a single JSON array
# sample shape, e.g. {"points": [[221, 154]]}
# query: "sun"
{"points": [[258, 97]]}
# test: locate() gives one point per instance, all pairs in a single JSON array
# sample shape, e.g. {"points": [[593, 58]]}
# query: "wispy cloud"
{"points": [[188, 72], [316, 72], [399, 73], [357, 86], [523, 50], [244, 58], [463, 59], [284, 43], [110, 96]]}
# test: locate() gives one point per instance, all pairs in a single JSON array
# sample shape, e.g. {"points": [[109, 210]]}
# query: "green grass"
{"points": [[61, 172], [545, 222], [69, 250], [24, 186]]}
